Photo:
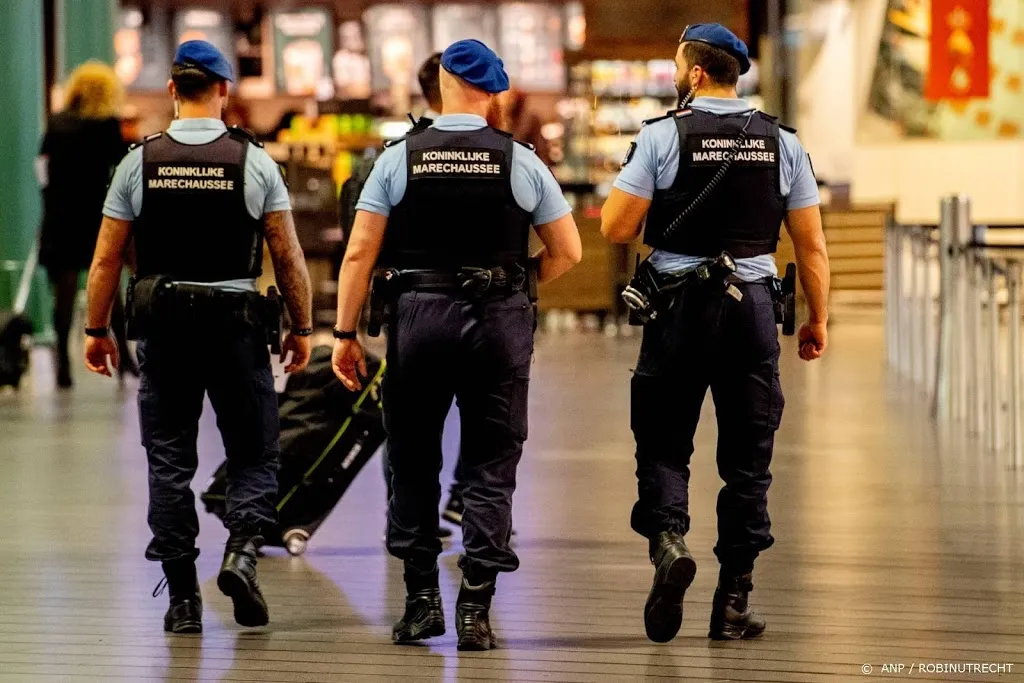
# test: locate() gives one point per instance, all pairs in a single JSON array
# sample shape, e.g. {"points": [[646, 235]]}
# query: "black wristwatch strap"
{"points": [[338, 334], [303, 332], [98, 332]]}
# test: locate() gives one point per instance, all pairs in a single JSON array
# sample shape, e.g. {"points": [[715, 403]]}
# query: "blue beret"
{"points": [[475, 63], [720, 37], [204, 55]]}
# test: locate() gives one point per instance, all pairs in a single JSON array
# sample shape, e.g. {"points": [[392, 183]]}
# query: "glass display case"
{"points": [[303, 45], [531, 44], [607, 105], [454, 22]]}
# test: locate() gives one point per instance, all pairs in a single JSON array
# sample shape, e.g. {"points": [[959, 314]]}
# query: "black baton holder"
{"points": [[272, 319], [784, 300], [382, 292]]}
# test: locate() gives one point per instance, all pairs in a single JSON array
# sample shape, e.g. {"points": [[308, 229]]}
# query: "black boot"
{"points": [[731, 617], [674, 570], [238, 581], [424, 615], [185, 614], [472, 621]]}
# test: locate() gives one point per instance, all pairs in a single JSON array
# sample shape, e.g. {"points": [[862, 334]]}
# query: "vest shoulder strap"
{"points": [[145, 141], [775, 119], [668, 114], [412, 132], [240, 133]]}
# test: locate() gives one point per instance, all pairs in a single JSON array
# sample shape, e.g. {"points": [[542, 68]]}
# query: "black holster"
{"points": [[145, 304], [383, 294], [651, 293], [271, 319], [784, 300]]}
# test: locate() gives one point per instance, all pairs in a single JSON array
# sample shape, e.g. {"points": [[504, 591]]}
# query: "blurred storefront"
{"points": [[326, 82]]}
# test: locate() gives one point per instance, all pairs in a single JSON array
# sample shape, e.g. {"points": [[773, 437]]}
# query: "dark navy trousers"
{"points": [[479, 351], [709, 340], [229, 361]]}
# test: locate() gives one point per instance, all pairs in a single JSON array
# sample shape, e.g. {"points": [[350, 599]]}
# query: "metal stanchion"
{"points": [[887, 296], [995, 404], [903, 309], [942, 404], [1016, 438], [978, 369], [928, 305], [916, 333], [961, 237], [969, 356]]}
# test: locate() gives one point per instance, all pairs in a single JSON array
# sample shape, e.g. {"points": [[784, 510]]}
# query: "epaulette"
{"points": [[245, 134], [678, 113], [527, 145], [412, 131], [148, 138]]}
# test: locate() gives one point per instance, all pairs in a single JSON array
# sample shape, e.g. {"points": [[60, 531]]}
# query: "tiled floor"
{"points": [[897, 543]]}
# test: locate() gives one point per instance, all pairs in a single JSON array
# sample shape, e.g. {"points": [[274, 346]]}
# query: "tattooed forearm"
{"points": [[290, 267], [105, 272]]}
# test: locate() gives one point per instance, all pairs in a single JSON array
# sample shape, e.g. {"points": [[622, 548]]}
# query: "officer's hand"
{"points": [[301, 348], [813, 340], [96, 351], [349, 362]]}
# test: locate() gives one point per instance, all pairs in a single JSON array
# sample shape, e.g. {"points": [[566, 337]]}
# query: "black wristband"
{"points": [[338, 334], [98, 332], [303, 332]]}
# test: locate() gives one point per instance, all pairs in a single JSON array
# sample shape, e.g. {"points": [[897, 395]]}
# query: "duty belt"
{"points": [[473, 281], [158, 305], [469, 282]]}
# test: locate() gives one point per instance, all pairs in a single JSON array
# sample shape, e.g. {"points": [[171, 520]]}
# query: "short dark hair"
{"points": [[430, 78], [192, 82], [721, 67]]}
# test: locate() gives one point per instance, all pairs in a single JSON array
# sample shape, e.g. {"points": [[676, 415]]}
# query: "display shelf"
{"points": [[609, 102]]}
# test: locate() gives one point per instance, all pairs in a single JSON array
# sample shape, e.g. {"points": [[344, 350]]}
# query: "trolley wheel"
{"points": [[295, 541]]}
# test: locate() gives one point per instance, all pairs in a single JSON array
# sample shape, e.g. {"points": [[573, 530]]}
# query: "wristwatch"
{"points": [[302, 332], [338, 334], [97, 332]]}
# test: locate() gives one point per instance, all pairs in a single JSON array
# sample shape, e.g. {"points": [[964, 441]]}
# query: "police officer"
{"points": [[708, 335], [198, 200], [430, 83], [429, 77], [448, 209]]}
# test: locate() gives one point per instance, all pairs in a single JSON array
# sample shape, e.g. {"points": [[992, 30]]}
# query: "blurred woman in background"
{"points": [[80, 149]]}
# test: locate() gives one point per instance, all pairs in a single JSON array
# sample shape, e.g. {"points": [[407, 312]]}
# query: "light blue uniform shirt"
{"points": [[655, 164], [535, 190], [265, 190]]}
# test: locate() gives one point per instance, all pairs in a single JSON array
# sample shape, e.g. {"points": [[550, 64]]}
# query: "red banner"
{"points": [[958, 64]]}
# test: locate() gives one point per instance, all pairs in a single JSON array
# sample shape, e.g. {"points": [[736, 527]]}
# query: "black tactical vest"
{"points": [[458, 209], [194, 224], [743, 213]]}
